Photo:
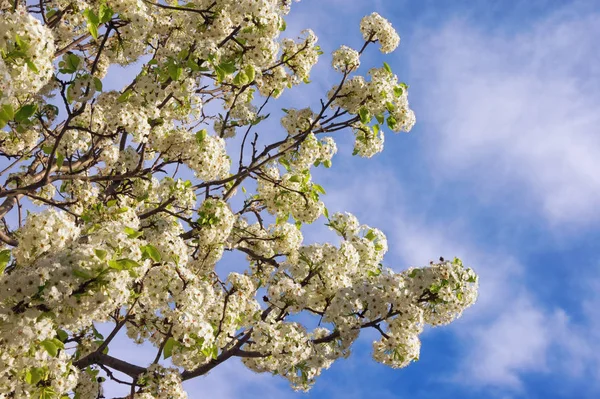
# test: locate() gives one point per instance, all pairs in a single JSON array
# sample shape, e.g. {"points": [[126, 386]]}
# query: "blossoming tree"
{"points": [[112, 233]]}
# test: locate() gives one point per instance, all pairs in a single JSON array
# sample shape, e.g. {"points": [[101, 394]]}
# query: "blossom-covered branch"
{"points": [[116, 205]]}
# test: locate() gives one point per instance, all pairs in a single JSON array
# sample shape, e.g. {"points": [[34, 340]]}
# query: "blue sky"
{"points": [[502, 170]]}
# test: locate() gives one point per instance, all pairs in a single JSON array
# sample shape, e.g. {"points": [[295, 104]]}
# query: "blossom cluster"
{"points": [[26, 53]]}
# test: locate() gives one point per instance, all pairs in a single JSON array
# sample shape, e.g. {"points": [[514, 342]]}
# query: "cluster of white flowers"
{"points": [[180, 193], [17, 143], [44, 233], [453, 286], [203, 153], [290, 194], [298, 121], [88, 385], [161, 383], [383, 93], [300, 56], [126, 115], [311, 151], [367, 141], [6, 88], [83, 193], [345, 59], [375, 27], [27, 48], [82, 89], [214, 225], [32, 372]]}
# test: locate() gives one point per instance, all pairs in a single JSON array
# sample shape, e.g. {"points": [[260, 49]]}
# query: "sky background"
{"points": [[501, 170]]}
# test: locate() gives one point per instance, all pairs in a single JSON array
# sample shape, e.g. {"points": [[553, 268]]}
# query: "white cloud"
{"points": [[516, 112]]}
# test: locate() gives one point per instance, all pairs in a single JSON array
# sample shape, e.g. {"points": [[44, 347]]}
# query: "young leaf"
{"points": [[25, 112], [92, 22], [150, 252], [50, 347], [201, 135], [97, 84], [100, 253], [168, 349], [62, 335], [60, 159], [387, 67], [105, 14], [4, 259], [174, 71], [250, 73], [365, 116], [125, 96]]}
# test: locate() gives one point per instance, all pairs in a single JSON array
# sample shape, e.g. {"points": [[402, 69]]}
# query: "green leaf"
{"points": [[35, 375], [318, 188], [174, 71], [283, 25], [123, 264], [97, 334], [391, 122], [365, 116], [220, 73], [59, 344], [62, 335], [327, 163], [97, 84], [50, 347], [105, 14], [370, 235], [387, 67], [60, 159], [227, 67], [51, 13], [380, 118], [390, 107], [31, 65], [82, 274], [168, 349], [7, 112], [190, 64], [93, 29], [133, 233], [4, 259], [150, 252], [92, 22], [47, 392], [240, 79], [398, 91], [285, 163], [295, 179], [25, 112], [100, 253], [201, 135], [250, 73], [125, 96], [20, 42]]}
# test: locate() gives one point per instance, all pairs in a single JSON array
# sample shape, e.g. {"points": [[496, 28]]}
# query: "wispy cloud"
{"points": [[516, 115]]}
